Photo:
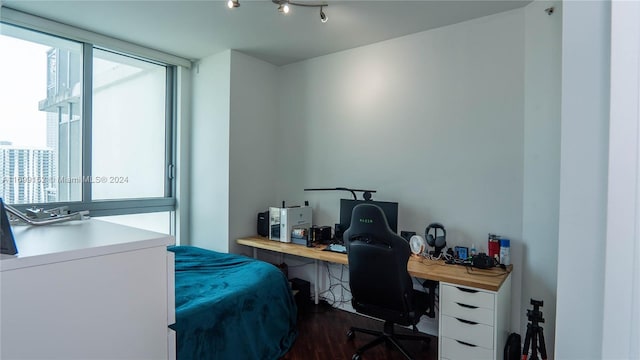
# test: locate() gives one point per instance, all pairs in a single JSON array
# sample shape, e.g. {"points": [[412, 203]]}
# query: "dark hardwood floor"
{"points": [[322, 335]]}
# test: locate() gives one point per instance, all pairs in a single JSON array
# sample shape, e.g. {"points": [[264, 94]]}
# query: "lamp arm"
{"points": [[366, 193]]}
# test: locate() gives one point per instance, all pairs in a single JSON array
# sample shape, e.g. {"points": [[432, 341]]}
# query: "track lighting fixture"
{"points": [[284, 6]]}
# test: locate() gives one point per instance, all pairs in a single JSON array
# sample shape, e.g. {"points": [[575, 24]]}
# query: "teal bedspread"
{"points": [[231, 307]]}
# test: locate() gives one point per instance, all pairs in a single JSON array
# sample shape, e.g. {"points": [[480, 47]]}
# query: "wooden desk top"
{"points": [[420, 267]]}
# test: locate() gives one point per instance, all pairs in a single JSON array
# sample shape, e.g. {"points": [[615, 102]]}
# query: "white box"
{"points": [[293, 218]]}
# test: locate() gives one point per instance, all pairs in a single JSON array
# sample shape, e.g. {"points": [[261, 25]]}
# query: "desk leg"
{"points": [[316, 285], [255, 253]]}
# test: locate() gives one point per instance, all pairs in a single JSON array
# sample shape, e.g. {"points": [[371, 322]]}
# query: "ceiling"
{"points": [[196, 29]]}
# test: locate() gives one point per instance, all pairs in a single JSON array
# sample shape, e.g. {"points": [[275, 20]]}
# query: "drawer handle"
{"points": [[467, 306], [467, 321], [465, 343], [467, 290]]}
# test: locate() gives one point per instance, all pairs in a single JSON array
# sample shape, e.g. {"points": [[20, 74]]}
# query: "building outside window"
{"points": [[23, 162]]}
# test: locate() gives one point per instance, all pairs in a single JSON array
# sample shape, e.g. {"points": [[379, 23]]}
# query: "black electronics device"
{"points": [[338, 230], [483, 261], [319, 234], [315, 235], [263, 223], [7, 242], [303, 293], [325, 234], [390, 210], [407, 234], [462, 252]]}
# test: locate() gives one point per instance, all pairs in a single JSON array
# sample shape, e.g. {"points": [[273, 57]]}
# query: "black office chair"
{"points": [[380, 283]]}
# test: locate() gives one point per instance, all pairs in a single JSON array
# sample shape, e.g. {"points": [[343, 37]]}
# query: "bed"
{"points": [[231, 307]]}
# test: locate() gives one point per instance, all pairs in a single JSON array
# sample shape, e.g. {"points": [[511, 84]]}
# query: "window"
{"points": [[129, 138], [40, 108], [83, 126]]}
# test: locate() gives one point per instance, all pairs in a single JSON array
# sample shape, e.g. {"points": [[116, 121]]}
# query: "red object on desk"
{"points": [[494, 248]]}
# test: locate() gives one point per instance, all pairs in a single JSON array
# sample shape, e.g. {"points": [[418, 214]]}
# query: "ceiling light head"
{"points": [[284, 7], [323, 16], [233, 4]]}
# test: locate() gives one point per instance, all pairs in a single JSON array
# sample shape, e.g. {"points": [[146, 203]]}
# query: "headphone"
{"points": [[435, 240]]}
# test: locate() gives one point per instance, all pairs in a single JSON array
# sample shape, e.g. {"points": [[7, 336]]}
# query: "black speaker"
{"points": [[263, 223], [338, 231]]}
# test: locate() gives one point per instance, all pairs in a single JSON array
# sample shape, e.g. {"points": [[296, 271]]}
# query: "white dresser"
{"points": [[87, 289], [474, 323]]}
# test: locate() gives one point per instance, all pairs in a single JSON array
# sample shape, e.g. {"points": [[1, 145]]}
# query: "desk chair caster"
{"points": [[389, 337]]}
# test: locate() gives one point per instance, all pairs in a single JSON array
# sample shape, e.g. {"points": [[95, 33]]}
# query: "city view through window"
{"points": [[41, 92], [40, 109]]}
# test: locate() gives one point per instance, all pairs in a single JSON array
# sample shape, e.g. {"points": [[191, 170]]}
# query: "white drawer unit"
{"points": [[87, 290], [469, 296], [473, 323], [461, 310], [456, 349], [468, 331]]}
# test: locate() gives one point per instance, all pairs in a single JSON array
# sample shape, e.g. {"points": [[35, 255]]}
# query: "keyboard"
{"points": [[336, 248]]}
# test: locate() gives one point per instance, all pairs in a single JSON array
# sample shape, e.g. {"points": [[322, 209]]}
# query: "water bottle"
{"points": [[505, 252]]}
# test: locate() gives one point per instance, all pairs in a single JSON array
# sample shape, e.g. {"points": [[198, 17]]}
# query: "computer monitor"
{"points": [[390, 210]]}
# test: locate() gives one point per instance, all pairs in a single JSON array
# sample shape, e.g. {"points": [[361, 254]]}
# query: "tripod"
{"points": [[534, 333]]}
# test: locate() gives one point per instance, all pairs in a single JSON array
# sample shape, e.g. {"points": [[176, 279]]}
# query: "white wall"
{"points": [[621, 320], [543, 46], [253, 144], [583, 179], [209, 210], [433, 120], [233, 148]]}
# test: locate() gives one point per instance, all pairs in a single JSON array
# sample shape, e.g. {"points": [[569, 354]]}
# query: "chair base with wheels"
{"points": [[388, 336], [378, 278]]}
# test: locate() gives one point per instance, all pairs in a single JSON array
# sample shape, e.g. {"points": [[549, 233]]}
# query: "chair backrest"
{"points": [[378, 277]]}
